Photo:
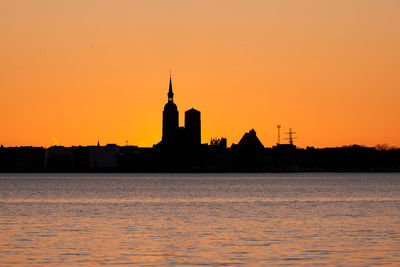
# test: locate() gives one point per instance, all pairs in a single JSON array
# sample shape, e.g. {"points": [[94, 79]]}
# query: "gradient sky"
{"points": [[83, 70]]}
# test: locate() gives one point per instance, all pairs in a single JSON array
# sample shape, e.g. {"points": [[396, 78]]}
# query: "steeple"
{"points": [[170, 118], [170, 93]]}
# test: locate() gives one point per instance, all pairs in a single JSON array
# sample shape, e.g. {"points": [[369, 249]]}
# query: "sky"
{"points": [[74, 72]]}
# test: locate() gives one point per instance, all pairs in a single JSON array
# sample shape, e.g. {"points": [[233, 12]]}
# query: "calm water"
{"points": [[211, 219]]}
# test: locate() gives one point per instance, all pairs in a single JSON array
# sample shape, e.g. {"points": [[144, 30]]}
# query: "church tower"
{"points": [[170, 119], [193, 127]]}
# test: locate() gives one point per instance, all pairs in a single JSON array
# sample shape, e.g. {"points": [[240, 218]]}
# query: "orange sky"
{"points": [[83, 70]]}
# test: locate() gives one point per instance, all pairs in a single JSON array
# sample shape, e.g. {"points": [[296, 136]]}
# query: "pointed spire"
{"points": [[170, 93]]}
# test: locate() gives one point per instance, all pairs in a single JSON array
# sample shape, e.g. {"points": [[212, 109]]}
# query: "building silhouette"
{"points": [[170, 119], [193, 127], [174, 136]]}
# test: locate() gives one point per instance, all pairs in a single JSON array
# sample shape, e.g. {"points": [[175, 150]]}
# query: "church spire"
{"points": [[170, 93]]}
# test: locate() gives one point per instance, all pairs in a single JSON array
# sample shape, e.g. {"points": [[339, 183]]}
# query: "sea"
{"points": [[310, 219]]}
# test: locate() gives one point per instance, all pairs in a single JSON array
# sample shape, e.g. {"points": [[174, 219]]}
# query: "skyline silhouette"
{"points": [[79, 71], [180, 150], [190, 134]]}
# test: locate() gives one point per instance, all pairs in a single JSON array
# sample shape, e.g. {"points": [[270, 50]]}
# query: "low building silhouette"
{"points": [[104, 157], [22, 159], [82, 158], [249, 156], [283, 158], [218, 143], [59, 159]]}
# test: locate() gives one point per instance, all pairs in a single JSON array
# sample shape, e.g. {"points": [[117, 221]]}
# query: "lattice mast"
{"points": [[291, 137]]}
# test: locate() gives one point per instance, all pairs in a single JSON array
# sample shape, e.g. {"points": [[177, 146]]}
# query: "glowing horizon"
{"points": [[75, 72]]}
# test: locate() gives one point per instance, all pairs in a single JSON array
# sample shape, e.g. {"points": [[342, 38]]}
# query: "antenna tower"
{"points": [[291, 137], [279, 134]]}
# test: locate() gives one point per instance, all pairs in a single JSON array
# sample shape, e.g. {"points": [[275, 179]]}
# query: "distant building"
{"points": [[59, 158], [172, 134], [193, 126], [103, 157], [249, 153], [220, 143], [22, 159], [250, 141], [79, 158], [170, 119]]}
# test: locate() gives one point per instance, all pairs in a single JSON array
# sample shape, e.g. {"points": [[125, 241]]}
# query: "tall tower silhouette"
{"points": [[193, 127], [170, 118]]}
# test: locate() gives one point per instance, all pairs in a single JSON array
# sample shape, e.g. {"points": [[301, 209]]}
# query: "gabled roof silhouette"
{"points": [[250, 141]]}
